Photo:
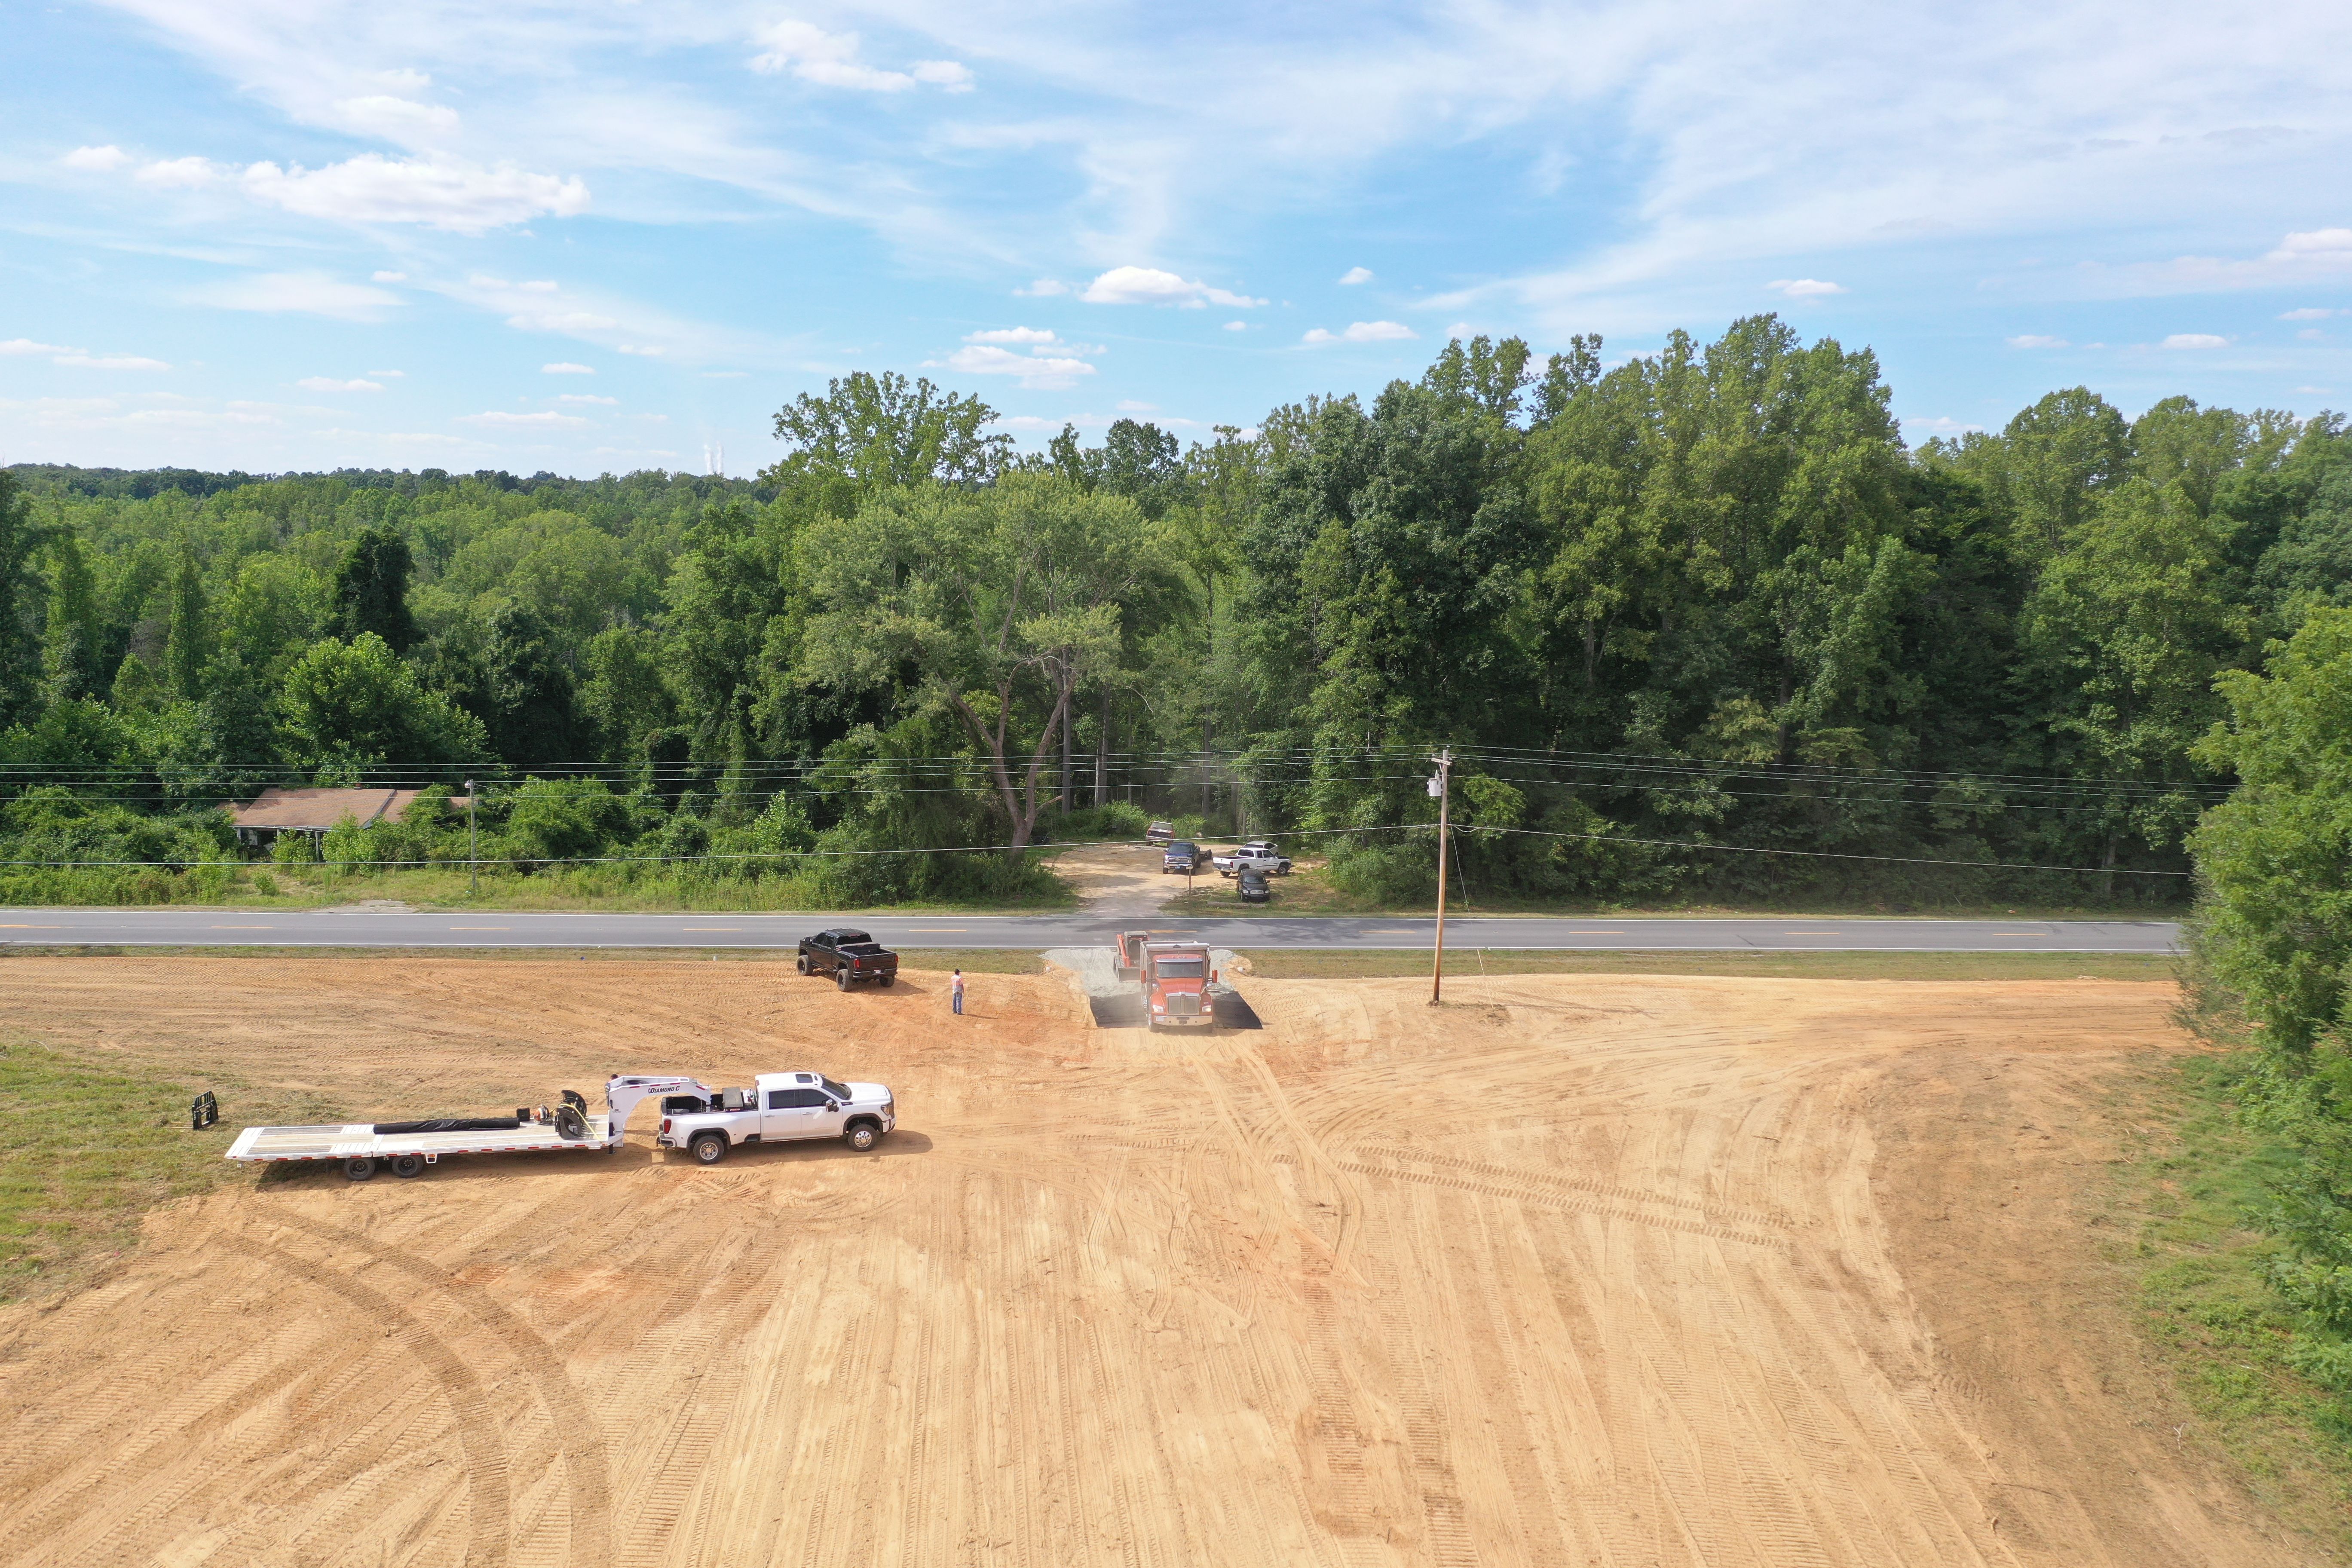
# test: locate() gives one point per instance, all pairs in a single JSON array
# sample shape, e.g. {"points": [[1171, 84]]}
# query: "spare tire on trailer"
{"points": [[570, 1124]]}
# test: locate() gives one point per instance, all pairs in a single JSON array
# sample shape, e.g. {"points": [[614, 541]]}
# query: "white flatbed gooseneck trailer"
{"points": [[361, 1146]]}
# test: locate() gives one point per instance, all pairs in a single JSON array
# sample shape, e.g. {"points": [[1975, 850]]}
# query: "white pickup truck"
{"points": [[1259, 854], [782, 1108]]}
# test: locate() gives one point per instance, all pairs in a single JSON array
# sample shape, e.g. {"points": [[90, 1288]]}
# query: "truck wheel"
{"points": [[886, 980], [409, 1166], [803, 962], [861, 1135], [359, 1170], [710, 1148], [841, 978]]}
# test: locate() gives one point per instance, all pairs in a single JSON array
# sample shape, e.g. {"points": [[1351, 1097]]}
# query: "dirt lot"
{"points": [[1577, 1269]]}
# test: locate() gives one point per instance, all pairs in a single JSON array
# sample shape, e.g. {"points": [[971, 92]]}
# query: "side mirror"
{"points": [[831, 1106]]}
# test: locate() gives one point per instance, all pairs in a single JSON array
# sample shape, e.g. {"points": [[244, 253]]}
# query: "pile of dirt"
{"points": [[1572, 1270]]}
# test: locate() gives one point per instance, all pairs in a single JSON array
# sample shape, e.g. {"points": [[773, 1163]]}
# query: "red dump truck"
{"points": [[1175, 976]]}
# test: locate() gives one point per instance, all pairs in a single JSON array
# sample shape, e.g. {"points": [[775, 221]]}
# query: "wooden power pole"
{"points": [[1440, 785]]}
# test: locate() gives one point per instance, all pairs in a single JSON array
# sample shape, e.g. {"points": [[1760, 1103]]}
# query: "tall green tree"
{"points": [[188, 645], [73, 640], [20, 542], [535, 714], [994, 605], [875, 431], [370, 591], [357, 702]]}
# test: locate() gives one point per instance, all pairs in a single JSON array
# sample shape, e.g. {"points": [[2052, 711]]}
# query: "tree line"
{"points": [[1697, 624]]}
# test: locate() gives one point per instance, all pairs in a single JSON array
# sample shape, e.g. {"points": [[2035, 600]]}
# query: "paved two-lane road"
{"points": [[383, 927]]}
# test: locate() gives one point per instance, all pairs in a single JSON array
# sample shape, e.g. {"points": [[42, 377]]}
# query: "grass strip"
{"points": [[86, 1150], [2187, 1196], [1299, 963]]}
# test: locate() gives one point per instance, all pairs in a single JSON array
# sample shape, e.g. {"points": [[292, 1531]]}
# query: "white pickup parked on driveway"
{"points": [[1257, 855], [784, 1108]]}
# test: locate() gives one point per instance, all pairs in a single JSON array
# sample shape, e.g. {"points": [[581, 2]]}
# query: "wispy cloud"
{"points": [[2194, 341], [329, 383], [1150, 285], [1355, 275], [1362, 332]]}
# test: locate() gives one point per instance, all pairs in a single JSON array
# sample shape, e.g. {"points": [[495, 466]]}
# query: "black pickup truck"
{"points": [[848, 956]]}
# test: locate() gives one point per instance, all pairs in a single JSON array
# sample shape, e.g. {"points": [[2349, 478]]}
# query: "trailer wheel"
{"points": [[360, 1168], [841, 977], [709, 1147], [861, 1135], [409, 1166]]}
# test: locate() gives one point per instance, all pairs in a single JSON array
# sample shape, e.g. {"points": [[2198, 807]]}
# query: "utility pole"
{"points": [[1440, 785], [473, 842]]}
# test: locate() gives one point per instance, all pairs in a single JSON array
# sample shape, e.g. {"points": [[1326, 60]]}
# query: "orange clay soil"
{"points": [[1576, 1270]]}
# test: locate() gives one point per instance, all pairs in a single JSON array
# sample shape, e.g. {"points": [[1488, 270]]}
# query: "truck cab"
{"points": [[1175, 977], [1182, 857], [780, 1108]]}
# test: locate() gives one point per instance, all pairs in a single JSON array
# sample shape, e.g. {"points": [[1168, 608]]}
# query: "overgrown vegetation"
{"points": [[2260, 1374], [1705, 598]]}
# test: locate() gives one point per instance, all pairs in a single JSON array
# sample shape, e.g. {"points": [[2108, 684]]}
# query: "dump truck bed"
{"points": [[361, 1141]]}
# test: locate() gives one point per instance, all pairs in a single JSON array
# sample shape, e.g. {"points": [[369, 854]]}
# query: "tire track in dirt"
{"points": [[477, 1426], [579, 1434]]}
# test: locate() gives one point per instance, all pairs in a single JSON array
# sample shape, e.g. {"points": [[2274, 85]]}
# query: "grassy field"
{"points": [[2186, 1200], [86, 1150], [1297, 964]]}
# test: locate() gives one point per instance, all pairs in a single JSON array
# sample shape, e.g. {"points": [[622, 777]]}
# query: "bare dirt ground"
{"points": [[1118, 878], [1574, 1270]]}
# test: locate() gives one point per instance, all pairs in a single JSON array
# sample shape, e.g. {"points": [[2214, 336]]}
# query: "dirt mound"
{"points": [[1573, 1269]]}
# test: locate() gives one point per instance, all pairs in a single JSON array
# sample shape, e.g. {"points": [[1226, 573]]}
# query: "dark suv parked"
{"points": [[847, 955], [1252, 888]]}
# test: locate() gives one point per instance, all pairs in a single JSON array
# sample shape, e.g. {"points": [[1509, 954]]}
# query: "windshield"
{"points": [[839, 1090], [1183, 847], [1184, 968]]}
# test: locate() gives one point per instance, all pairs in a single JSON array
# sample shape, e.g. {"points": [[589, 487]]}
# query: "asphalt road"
{"points": [[378, 927]]}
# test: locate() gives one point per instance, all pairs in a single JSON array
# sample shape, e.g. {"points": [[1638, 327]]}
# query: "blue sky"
{"points": [[303, 234]]}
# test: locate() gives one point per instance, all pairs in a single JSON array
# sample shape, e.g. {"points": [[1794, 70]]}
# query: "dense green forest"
{"points": [[1697, 625]]}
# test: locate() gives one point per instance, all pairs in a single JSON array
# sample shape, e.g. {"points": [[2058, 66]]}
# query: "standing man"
{"points": [[955, 990]]}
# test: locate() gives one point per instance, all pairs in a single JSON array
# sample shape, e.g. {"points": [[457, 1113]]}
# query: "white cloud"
{"points": [[944, 74], [539, 285], [1014, 335], [2308, 313], [1035, 370], [544, 418], [565, 367], [1355, 275], [1150, 285], [830, 60], [27, 346], [1043, 288], [1237, 326], [1362, 332], [329, 383], [390, 277], [179, 174], [561, 322], [1805, 288], [99, 160], [585, 397], [394, 375], [2321, 243], [1461, 329], [2311, 335], [440, 192], [397, 119], [2035, 340], [2194, 341], [306, 293], [646, 350], [484, 281], [403, 79], [110, 362]]}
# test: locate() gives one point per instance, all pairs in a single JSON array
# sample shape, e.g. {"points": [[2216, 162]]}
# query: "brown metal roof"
{"points": [[321, 808]]}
